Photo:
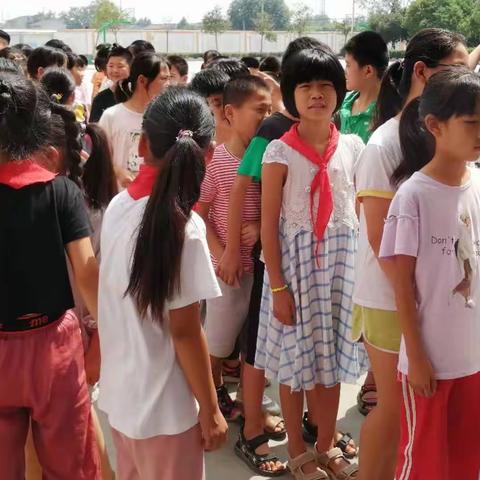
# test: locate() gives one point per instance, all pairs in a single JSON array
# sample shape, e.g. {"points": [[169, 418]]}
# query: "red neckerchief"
{"points": [[142, 186], [23, 173], [321, 181]]}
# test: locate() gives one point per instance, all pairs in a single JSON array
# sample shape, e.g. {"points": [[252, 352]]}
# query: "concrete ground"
{"points": [[225, 465]]}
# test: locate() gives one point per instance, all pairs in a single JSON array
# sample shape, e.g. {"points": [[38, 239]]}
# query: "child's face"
{"points": [[176, 78], [117, 69], [316, 100], [78, 74], [215, 102], [161, 82], [356, 75], [245, 119]]}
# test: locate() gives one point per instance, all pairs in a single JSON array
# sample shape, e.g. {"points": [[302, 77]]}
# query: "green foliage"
{"points": [[106, 12], [244, 14], [79, 17], [183, 24], [214, 22], [301, 18]]}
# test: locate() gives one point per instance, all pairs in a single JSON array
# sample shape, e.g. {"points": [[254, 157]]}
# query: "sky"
{"points": [[159, 10]]}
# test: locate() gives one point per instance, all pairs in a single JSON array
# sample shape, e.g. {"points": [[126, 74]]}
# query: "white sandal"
{"points": [[295, 466], [350, 472]]}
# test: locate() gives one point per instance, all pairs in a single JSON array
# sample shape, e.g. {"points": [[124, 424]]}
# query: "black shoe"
{"points": [[227, 406]]}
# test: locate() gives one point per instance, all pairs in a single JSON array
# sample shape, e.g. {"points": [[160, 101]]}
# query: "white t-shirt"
{"points": [[143, 389], [123, 128], [440, 226], [377, 162]]}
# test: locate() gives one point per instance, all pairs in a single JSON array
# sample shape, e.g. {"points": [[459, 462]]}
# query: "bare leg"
{"points": [[33, 468], [216, 364], [107, 472]]}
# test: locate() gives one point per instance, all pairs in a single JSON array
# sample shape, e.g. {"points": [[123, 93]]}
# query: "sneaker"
{"points": [[227, 406]]}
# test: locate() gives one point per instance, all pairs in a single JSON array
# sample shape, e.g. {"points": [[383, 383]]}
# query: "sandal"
{"points": [[295, 466], [271, 430], [245, 449], [350, 472], [366, 406]]}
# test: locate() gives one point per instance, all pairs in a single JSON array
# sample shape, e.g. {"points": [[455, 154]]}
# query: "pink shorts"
{"points": [[42, 381], [165, 457], [438, 434]]}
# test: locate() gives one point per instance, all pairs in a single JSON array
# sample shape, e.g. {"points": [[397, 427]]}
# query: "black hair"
{"points": [[5, 36], [59, 84], [430, 46], [147, 64], [58, 44], [74, 60], [101, 56], [25, 48], [9, 66], [209, 82], [209, 55], [231, 66], [140, 46], [98, 177], [179, 63], [369, 48], [270, 64], [119, 51], [24, 116], [65, 135], [251, 62], [44, 57], [309, 65], [82, 61], [15, 55], [155, 273], [238, 91], [453, 92], [303, 43]]}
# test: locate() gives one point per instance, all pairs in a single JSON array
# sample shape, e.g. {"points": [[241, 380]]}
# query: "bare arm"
{"points": [[192, 352], [214, 244]]}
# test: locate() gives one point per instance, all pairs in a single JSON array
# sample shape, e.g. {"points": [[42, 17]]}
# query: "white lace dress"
{"points": [[318, 349]]}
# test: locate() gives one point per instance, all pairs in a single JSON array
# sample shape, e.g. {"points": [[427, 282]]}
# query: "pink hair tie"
{"points": [[184, 133]]}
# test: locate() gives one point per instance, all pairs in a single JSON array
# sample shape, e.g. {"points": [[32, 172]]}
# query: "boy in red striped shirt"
{"points": [[247, 101]]}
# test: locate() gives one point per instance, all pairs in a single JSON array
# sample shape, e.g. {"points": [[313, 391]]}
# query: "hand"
{"points": [[250, 233], [92, 361], [214, 429], [284, 307], [421, 376], [125, 178], [230, 268]]}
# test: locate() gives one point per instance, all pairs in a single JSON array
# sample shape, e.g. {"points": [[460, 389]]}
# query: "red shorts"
{"points": [[438, 434], [42, 382]]}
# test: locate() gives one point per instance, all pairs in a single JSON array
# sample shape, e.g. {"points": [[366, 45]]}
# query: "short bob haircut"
{"points": [[308, 66]]}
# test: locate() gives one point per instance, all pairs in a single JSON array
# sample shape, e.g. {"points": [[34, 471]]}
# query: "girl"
{"points": [[122, 123], [374, 314], [41, 217], [303, 338], [155, 269], [423, 236]]}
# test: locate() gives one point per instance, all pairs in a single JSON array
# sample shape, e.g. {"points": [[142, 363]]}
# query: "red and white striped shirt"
{"points": [[216, 188]]}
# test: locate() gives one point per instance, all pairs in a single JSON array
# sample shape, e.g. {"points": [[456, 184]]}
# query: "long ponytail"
{"points": [[179, 128]]}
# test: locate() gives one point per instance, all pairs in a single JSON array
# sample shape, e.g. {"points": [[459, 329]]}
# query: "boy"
{"points": [[247, 101], [42, 58], [118, 68], [4, 39], [210, 84], [178, 70], [366, 58]]}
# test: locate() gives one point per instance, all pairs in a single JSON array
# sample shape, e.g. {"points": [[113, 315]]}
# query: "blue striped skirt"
{"points": [[318, 349]]}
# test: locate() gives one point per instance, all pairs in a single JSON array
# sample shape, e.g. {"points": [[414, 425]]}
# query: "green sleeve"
{"points": [[251, 165]]}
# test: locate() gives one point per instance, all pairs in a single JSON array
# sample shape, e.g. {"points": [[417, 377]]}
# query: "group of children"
{"points": [[302, 223]]}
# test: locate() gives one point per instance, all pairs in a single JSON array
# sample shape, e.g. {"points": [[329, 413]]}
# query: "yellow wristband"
{"points": [[280, 289]]}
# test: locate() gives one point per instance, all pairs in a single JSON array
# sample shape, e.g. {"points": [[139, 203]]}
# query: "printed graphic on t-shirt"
{"points": [[134, 160]]}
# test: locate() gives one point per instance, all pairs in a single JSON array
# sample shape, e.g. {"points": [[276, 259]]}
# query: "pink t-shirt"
{"points": [[440, 226], [216, 188]]}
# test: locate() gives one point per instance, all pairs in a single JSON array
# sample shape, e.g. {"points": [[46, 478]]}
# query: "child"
{"points": [[252, 63], [59, 85], [77, 65], [155, 269], [140, 46], [118, 68], [43, 217], [122, 123], [210, 83], [4, 39], [305, 315], [374, 314], [439, 357], [42, 58], [99, 78], [178, 70], [247, 101], [366, 58]]}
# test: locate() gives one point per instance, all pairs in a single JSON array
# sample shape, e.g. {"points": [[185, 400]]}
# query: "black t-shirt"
{"points": [[36, 222], [101, 102]]}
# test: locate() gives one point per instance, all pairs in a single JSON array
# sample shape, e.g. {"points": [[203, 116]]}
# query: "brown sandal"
{"points": [[295, 466], [350, 472]]}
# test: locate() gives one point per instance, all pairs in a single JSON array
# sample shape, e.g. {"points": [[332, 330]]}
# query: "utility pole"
{"points": [[353, 16]]}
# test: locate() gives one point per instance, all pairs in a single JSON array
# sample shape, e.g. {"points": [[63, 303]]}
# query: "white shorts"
{"points": [[226, 315]]}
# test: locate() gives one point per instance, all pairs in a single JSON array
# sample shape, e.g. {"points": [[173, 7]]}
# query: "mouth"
{"points": [[317, 106]]}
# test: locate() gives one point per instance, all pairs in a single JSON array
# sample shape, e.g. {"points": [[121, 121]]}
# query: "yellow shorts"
{"points": [[379, 328]]}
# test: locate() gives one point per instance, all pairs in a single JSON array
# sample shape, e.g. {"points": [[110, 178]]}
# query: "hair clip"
{"points": [[56, 97], [184, 133]]}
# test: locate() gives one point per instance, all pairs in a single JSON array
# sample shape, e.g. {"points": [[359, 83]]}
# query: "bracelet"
{"points": [[280, 289]]}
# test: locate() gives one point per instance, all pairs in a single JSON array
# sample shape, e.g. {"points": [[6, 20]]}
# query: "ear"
{"points": [[40, 73], [420, 72], [143, 147], [369, 71], [50, 159], [142, 80], [184, 80], [433, 125], [228, 112]]}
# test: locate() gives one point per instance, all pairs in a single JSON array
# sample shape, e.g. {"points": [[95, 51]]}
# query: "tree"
{"points": [[345, 27], [183, 24], [79, 17], [244, 13], [106, 12], [301, 17], [143, 22], [214, 22], [264, 26]]}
